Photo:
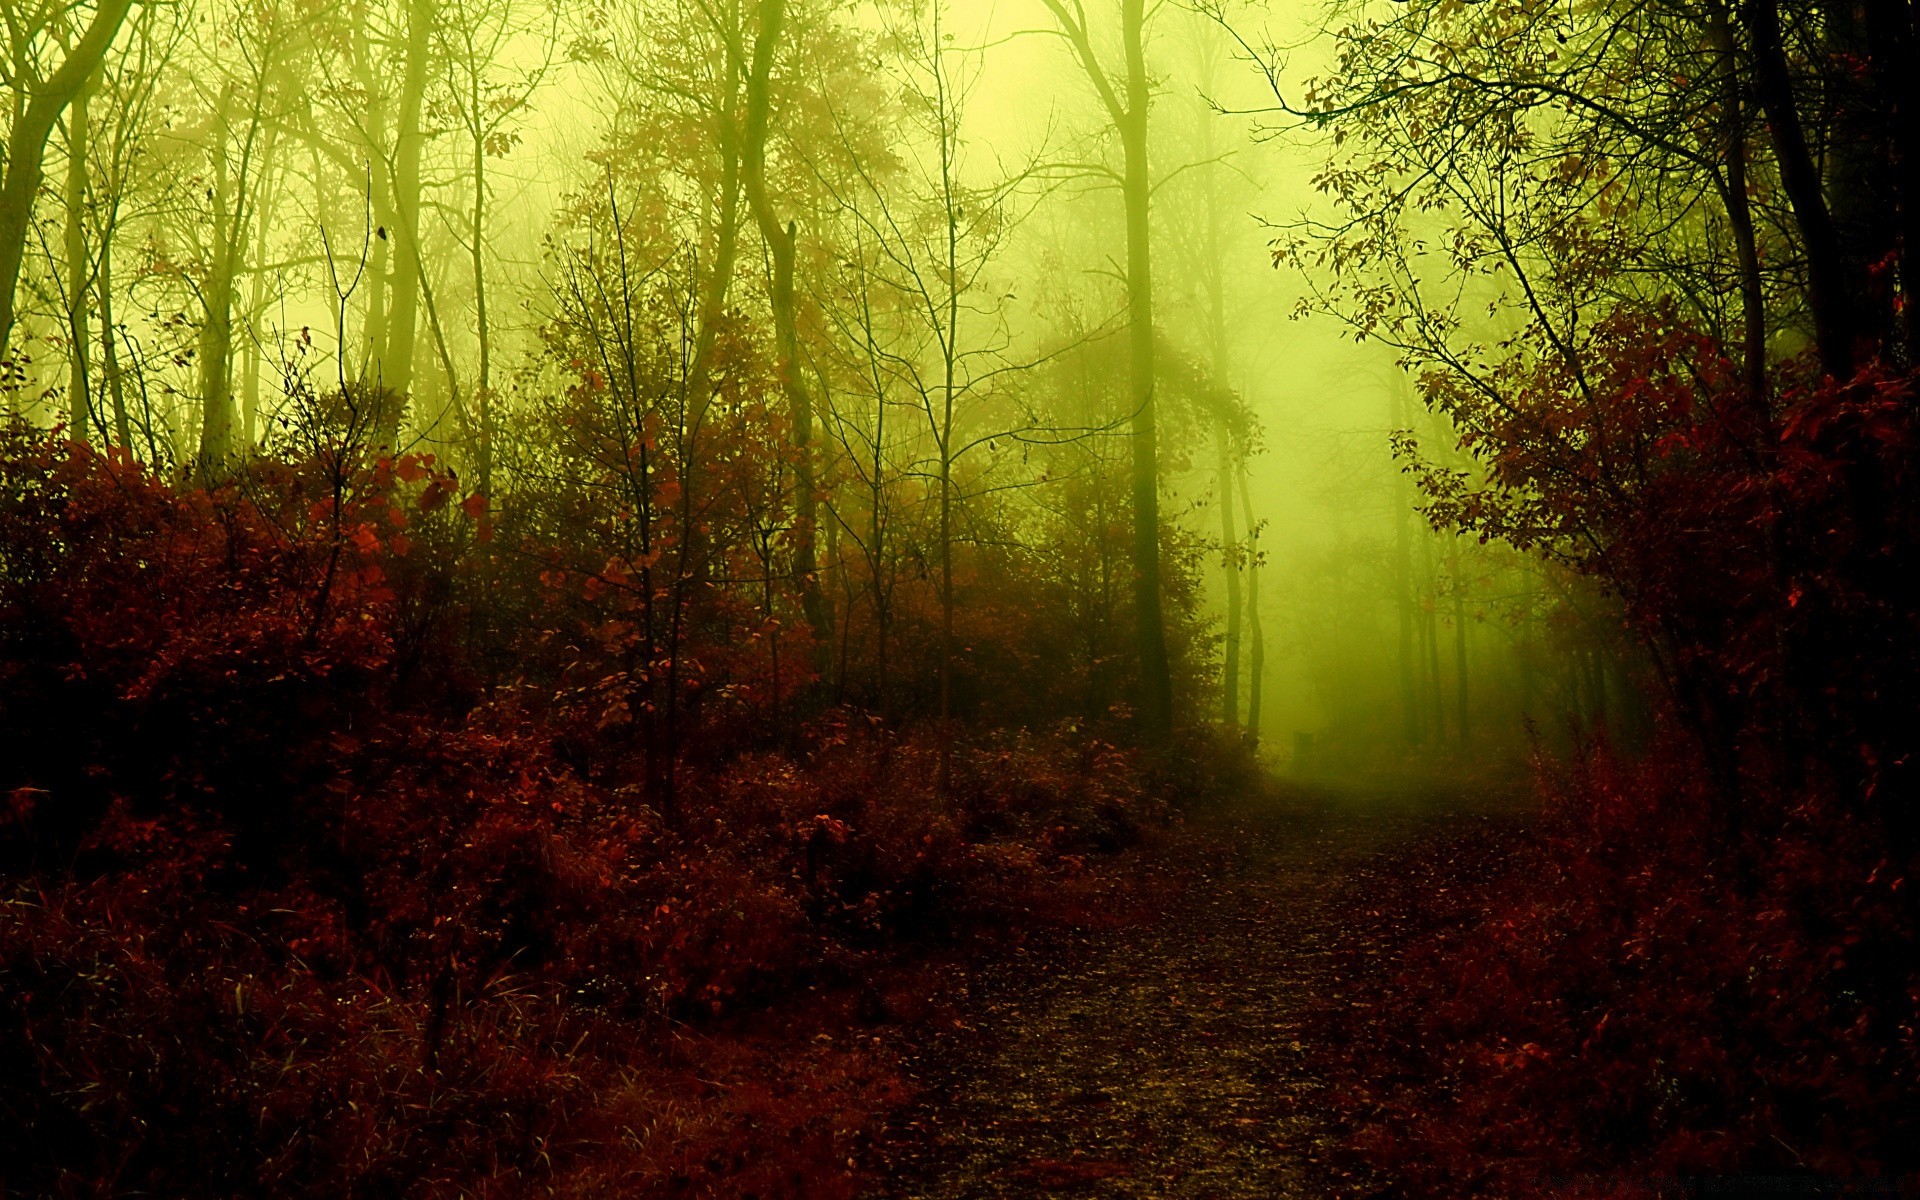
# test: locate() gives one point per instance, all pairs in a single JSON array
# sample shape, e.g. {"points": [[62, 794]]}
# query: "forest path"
{"points": [[1162, 1059]]}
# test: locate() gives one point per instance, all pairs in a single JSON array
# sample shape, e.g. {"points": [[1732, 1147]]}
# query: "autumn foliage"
{"points": [[303, 897], [1705, 963]]}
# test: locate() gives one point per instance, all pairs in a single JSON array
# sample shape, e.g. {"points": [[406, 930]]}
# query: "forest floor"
{"points": [[1170, 1055]]}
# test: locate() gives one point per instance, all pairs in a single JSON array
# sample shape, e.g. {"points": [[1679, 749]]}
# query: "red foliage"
{"points": [[1626, 997], [1754, 542], [1708, 960], [290, 905]]}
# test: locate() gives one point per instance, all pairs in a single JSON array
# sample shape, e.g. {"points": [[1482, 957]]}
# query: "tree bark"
{"points": [[713, 300], [232, 192], [1257, 656], [1753, 300], [1410, 715], [483, 385], [79, 400], [110, 344], [403, 311], [1213, 273], [27, 146], [1156, 685], [1463, 713], [1827, 274], [1430, 639], [216, 295], [780, 239], [1230, 554], [1127, 109], [256, 303], [373, 333]]}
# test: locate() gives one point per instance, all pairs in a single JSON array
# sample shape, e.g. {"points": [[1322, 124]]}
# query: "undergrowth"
{"points": [[1629, 999], [285, 913]]}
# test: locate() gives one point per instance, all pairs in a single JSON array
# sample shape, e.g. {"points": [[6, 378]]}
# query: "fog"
{"points": [[235, 245]]}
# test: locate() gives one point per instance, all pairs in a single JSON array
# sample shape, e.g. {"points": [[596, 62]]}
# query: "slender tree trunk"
{"points": [[27, 145], [950, 205], [876, 504], [1753, 300], [1103, 617], [374, 334], [403, 312], [1403, 578], [946, 594], [1596, 689], [781, 240], [1213, 270], [373, 368], [1529, 687], [1257, 658], [713, 301], [1430, 636], [110, 343], [1231, 555], [483, 386], [256, 304], [1464, 721], [1156, 684], [1127, 108], [79, 356], [232, 191], [216, 328], [1827, 272], [843, 589], [834, 572]]}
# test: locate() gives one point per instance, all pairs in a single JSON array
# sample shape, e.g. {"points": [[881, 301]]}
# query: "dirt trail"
{"points": [[1162, 1059]]}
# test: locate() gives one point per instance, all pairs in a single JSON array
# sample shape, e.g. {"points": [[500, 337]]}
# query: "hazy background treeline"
{"points": [[532, 531], [881, 252]]}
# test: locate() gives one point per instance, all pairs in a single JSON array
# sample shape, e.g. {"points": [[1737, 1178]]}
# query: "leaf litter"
{"points": [[1168, 1056]]}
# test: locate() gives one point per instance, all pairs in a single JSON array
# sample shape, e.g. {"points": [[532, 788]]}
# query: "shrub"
{"points": [[1629, 995]]}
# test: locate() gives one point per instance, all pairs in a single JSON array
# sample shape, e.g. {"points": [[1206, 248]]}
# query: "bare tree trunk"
{"points": [[483, 386], [1827, 274], [1127, 109], [1225, 454], [216, 294], [1213, 272], [256, 303], [780, 239], [882, 616], [1753, 300], [79, 400], [374, 333], [1257, 658], [876, 552], [1430, 635], [109, 343], [946, 589], [403, 311], [713, 301], [1156, 685], [1403, 576], [1596, 678], [27, 145], [1230, 554], [373, 367], [1465, 729]]}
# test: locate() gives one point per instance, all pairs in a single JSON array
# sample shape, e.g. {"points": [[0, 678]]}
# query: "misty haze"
{"points": [[959, 599]]}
